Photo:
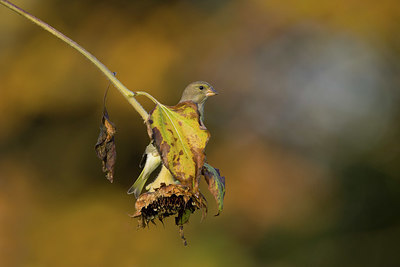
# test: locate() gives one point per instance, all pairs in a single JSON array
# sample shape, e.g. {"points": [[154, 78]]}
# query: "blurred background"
{"points": [[305, 129]]}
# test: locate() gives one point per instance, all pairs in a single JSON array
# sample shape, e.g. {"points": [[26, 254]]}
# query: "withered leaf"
{"points": [[105, 146], [181, 139], [216, 184], [182, 235]]}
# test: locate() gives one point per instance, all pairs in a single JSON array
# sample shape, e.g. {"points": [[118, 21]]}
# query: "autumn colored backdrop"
{"points": [[305, 130]]}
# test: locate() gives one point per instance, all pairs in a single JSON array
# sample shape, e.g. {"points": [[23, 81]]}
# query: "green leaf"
{"points": [[183, 217], [180, 140], [216, 185]]}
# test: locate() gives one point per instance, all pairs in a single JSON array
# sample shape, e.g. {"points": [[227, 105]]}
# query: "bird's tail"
{"points": [[137, 187]]}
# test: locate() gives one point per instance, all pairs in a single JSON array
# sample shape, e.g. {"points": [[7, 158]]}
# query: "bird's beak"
{"points": [[211, 91]]}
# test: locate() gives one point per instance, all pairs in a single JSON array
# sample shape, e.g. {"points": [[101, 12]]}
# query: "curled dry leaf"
{"points": [[216, 184], [180, 139], [105, 146]]}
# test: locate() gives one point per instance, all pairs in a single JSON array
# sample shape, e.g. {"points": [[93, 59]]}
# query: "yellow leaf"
{"points": [[180, 140]]}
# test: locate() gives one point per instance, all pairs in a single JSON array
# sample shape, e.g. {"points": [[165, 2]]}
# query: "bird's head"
{"points": [[198, 92]]}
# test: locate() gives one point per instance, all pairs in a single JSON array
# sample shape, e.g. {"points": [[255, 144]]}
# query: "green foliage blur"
{"points": [[305, 128]]}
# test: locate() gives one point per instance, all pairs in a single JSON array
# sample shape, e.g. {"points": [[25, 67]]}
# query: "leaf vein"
{"points": [[175, 128]]}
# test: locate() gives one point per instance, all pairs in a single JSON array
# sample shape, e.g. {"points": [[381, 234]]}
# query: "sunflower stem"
{"points": [[149, 96]]}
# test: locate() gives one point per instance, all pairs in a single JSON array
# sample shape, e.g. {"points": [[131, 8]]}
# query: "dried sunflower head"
{"points": [[168, 201]]}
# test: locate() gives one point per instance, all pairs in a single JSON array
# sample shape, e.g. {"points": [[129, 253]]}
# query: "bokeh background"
{"points": [[305, 129]]}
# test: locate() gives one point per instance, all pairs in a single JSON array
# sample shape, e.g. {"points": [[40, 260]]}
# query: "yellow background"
{"points": [[305, 130]]}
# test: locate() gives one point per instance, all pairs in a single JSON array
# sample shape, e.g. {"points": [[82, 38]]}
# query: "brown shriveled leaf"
{"points": [[180, 140], [105, 146], [216, 184], [167, 201]]}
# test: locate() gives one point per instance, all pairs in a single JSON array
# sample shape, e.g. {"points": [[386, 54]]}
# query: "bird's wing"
{"points": [[143, 160], [152, 161]]}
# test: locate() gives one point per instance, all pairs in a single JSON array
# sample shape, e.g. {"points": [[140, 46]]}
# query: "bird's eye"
{"points": [[201, 87]]}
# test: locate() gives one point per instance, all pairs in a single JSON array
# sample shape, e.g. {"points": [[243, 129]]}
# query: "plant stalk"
{"points": [[129, 95]]}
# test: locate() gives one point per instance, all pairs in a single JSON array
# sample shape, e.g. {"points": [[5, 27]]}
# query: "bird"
{"points": [[197, 92]]}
